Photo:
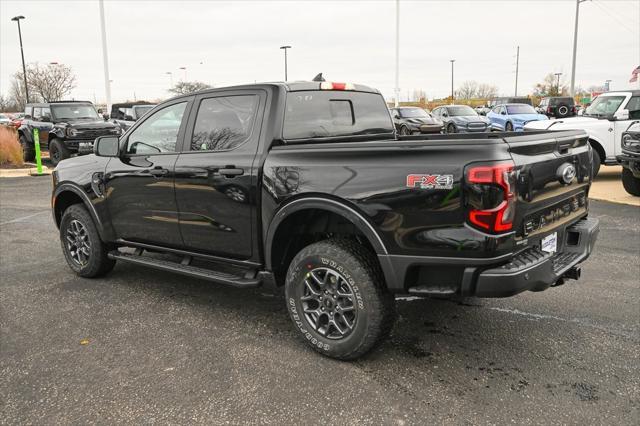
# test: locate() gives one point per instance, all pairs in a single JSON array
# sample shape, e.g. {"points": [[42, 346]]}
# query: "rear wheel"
{"points": [[28, 150], [451, 128], [83, 249], [631, 183], [508, 127], [336, 298], [58, 152]]}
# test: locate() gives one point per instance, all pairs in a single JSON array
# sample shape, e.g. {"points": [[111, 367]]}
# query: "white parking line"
{"points": [[23, 218]]}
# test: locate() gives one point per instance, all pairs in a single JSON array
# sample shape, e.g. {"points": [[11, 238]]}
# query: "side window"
{"points": [[496, 110], [158, 133], [37, 113], [224, 122], [633, 106], [28, 112], [436, 112], [46, 113]]}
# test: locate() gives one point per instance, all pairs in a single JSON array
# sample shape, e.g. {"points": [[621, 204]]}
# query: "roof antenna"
{"points": [[318, 77]]}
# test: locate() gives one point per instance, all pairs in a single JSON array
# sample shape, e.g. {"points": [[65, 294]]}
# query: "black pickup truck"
{"points": [[305, 186]]}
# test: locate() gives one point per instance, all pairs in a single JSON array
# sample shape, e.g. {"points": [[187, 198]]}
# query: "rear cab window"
{"points": [[318, 114]]}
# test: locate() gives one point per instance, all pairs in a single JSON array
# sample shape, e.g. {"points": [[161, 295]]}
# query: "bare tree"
{"points": [[550, 87], [52, 81], [186, 87], [486, 91], [468, 90]]}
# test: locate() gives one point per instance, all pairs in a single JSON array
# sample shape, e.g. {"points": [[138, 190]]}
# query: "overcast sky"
{"points": [[225, 43]]}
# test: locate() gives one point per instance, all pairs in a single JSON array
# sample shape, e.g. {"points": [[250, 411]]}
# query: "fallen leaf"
{"points": [[84, 342]]}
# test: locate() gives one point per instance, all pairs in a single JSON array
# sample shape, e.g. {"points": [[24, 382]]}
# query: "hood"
{"points": [[568, 123], [470, 119], [423, 120], [89, 124], [528, 117]]}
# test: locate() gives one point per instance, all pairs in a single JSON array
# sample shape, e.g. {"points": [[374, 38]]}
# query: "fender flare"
{"points": [[327, 204], [23, 131], [69, 187]]}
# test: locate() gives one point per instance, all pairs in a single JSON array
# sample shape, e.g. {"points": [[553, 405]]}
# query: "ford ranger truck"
{"points": [[305, 187]]}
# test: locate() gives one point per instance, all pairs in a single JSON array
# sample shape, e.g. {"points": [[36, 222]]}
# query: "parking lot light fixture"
{"points": [[575, 48], [285, 48], [558, 74], [170, 74], [184, 77], [24, 67]]}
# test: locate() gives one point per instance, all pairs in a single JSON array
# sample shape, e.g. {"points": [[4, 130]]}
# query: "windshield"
{"points": [[413, 113], [460, 111], [520, 109], [604, 106], [73, 112]]}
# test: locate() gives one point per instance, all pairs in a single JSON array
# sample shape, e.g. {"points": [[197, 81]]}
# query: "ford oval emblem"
{"points": [[566, 173]]}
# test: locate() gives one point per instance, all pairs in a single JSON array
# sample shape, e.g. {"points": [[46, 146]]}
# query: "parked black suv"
{"points": [[65, 128], [557, 106], [630, 159], [305, 186]]}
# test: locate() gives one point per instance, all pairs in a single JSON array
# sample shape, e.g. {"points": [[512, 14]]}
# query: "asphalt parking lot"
{"points": [[145, 346]]}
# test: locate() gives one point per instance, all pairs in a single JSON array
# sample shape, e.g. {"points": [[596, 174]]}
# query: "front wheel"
{"points": [[83, 249], [451, 128], [595, 167], [58, 152], [336, 299], [508, 127], [404, 131], [631, 183]]}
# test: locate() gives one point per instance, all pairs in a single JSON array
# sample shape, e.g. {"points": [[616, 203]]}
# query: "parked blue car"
{"points": [[513, 117]]}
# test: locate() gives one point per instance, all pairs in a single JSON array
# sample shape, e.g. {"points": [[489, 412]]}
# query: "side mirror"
{"points": [[503, 112], [445, 114], [105, 116], [128, 118], [623, 114], [107, 146], [46, 119]]}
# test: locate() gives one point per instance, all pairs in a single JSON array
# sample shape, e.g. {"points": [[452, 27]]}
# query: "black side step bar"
{"points": [[186, 269]]}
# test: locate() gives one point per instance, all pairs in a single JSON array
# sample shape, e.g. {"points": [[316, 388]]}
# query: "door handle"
{"points": [[231, 172]]}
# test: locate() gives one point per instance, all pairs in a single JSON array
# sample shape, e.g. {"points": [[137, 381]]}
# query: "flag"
{"points": [[634, 75]]}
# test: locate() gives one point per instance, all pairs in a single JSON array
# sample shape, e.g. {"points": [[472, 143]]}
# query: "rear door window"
{"points": [[224, 122], [321, 114]]}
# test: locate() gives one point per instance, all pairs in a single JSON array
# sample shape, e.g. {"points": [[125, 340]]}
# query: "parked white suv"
{"points": [[604, 120]]}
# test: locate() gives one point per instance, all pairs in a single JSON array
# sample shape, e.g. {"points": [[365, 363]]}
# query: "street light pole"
{"points": [[517, 66], [452, 61], [558, 74], [170, 77], [24, 67], [105, 56], [397, 88], [575, 48], [184, 78], [286, 76]]}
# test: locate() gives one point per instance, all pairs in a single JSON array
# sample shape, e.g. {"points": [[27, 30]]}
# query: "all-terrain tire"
{"points": [[373, 306], [595, 167], [97, 260], [631, 183], [58, 152], [28, 150]]}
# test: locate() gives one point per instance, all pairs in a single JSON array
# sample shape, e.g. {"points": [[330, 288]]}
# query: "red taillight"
{"points": [[498, 218], [327, 85], [549, 110]]}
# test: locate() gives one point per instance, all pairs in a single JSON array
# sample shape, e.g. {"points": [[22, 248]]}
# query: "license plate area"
{"points": [[549, 244]]}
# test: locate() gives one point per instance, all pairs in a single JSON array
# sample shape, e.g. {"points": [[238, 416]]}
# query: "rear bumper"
{"points": [[529, 270]]}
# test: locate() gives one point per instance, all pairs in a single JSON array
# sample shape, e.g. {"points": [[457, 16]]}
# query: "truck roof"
{"points": [[44, 104], [293, 86]]}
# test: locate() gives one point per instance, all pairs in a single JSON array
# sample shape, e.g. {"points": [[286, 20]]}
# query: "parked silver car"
{"points": [[461, 119]]}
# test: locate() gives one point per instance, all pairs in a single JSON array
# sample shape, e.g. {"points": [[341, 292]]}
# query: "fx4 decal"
{"points": [[430, 181]]}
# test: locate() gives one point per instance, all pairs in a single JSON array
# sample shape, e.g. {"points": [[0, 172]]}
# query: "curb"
{"points": [[30, 171]]}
